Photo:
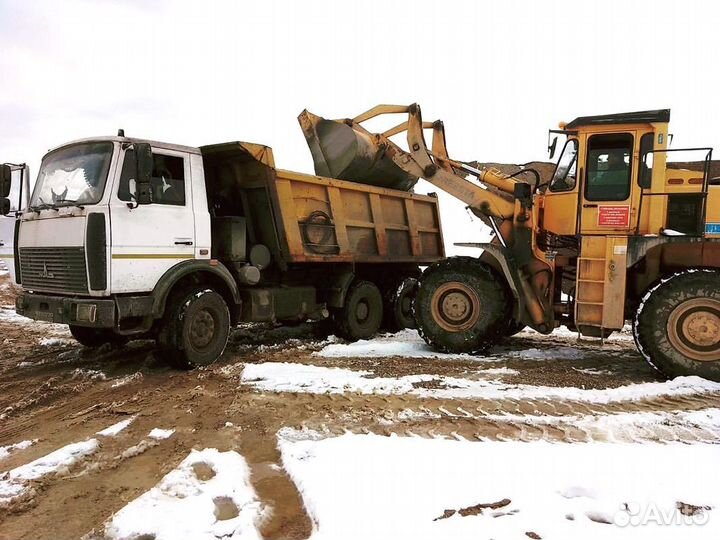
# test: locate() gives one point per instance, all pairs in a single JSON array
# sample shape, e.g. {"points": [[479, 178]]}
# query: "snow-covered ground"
{"points": [[292, 377], [208, 496], [409, 344], [368, 486], [406, 343]]}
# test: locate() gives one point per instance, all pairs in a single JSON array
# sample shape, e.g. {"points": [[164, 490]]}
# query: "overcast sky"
{"points": [[498, 73]]}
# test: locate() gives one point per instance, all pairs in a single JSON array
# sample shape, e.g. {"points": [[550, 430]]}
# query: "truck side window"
{"points": [[167, 181], [609, 167], [564, 177], [646, 160]]}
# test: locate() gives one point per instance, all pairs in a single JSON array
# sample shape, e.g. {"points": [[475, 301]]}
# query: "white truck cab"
{"points": [[125, 238]]}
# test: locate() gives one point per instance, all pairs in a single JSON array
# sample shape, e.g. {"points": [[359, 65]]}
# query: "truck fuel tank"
{"points": [[344, 150]]}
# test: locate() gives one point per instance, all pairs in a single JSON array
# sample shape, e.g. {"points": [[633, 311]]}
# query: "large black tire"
{"points": [[462, 306], [361, 315], [195, 328], [513, 327], [398, 302], [96, 337], [677, 325]]}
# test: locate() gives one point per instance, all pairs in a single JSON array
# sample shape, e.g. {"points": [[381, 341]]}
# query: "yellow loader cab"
{"points": [[636, 236]]}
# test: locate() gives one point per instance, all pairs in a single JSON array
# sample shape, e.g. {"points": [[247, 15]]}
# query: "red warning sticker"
{"points": [[614, 216]]}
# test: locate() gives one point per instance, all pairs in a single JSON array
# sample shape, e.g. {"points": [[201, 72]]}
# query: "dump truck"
{"points": [[125, 238], [618, 234]]}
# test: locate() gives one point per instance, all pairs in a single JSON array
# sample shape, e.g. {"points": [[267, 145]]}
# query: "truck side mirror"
{"points": [[144, 163], [5, 180], [4, 206]]}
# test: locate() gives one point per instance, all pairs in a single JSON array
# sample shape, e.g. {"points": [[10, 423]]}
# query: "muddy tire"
{"points": [[96, 337], [462, 306], [398, 305], [514, 327], [677, 326], [195, 328], [362, 314]]}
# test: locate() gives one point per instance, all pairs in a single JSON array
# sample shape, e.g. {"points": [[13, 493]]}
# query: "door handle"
{"points": [[590, 205], [183, 242]]}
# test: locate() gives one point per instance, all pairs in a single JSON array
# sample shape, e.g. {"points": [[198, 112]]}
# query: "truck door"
{"points": [[19, 197], [149, 239], [607, 198]]}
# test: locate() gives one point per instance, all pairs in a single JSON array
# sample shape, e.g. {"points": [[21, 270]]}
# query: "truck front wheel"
{"points": [[195, 329], [462, 306]]}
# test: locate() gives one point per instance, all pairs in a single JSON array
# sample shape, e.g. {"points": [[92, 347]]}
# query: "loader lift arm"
{"points": [[499, 200]]}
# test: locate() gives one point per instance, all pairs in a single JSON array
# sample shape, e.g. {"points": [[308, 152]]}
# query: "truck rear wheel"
{"points": [[362, 313], [195, 329], [398, 308], [461, 306], [677, 326], [96, 337]]}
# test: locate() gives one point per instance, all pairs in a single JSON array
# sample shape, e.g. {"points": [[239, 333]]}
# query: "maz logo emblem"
{"points": [[45, 273]]}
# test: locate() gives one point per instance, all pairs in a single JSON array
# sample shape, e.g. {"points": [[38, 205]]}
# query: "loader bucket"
{"points": [[342, 149]]}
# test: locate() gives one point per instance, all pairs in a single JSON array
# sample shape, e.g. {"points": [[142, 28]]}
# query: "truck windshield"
{"points": [[74, 175]]}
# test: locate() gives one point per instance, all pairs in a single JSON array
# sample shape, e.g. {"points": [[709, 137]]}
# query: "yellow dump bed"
{"points": [[306, 218]]}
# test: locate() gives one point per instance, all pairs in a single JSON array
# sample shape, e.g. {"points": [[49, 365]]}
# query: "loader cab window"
{"points": [[167, 181], [609, 167], [646, 160], [564, 177]]}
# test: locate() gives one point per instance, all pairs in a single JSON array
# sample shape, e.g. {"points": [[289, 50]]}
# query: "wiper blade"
{"points": [[43, 206], [72, 202]]}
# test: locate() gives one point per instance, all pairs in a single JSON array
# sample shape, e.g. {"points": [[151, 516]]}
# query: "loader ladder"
{"points": [[600, 284]]}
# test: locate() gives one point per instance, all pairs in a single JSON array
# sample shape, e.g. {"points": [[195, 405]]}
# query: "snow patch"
{"points": [[208, 496], [14, 482], [116, 428], [589, 491], [291, 377], [160, 434], [5, 451], [406, 343], [127, 379]]}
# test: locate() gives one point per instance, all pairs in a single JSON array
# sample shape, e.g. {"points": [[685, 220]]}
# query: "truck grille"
{"points": [[56, 269]]}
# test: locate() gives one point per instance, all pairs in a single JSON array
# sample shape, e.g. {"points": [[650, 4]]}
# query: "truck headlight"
{"points": [[86, 312]]}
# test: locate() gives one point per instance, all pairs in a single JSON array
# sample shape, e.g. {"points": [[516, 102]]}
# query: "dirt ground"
{"points": [[54, 390]]}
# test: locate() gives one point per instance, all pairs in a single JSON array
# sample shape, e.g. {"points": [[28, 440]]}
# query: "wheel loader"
{"points": [[618, 234]]}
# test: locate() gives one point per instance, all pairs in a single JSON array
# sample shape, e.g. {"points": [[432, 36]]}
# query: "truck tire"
{"points": [[677, 325], [96, 337], [398, 304], [462, 306], [195, 328], [362, 314]]}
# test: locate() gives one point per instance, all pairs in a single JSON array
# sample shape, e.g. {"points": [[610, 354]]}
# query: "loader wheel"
{"points": [[398, 309], [362, 313], [462, 306], [195, 328], [677, 326], [96, 337]]}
